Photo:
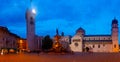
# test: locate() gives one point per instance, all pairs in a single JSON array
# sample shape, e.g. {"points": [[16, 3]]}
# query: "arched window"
{"points": [[93, 46], [98, 46]]}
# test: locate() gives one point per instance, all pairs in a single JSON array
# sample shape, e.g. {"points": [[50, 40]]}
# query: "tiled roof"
{"points": [[97, 40], [96, 35]]}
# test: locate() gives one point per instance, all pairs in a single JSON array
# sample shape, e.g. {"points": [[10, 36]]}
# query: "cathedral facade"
{"points": [[81, 42]]}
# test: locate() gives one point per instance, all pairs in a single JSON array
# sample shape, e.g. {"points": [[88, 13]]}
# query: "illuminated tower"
{"points": [[114, 35], [30, 21]]}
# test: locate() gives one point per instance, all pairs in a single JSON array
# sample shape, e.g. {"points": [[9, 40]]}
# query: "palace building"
{"points": [[81, 42], [8, 39]]}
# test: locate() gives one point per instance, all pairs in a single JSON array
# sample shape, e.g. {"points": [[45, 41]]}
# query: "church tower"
{"points": [[114, 35], [77, 40], [30, 23], [80, 31]]}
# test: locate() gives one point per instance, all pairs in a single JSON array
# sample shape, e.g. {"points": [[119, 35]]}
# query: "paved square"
{"points": [[77, 57]]}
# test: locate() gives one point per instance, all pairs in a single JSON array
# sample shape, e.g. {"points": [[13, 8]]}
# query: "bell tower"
{"points": [[114, 35], [30, 23], [80, 31]]}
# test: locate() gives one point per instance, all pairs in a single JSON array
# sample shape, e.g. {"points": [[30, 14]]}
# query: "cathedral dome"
{"points": [[114, 21]]}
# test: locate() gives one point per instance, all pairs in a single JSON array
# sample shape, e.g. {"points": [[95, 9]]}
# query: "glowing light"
{"points": [[33, 11], [1, 53], [21, 41]]}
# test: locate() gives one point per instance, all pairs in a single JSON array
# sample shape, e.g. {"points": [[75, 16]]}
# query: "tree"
{"points": [[47, 43]]}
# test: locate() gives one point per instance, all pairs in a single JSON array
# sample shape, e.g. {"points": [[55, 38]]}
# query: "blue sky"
{"points": [[95, 16]]}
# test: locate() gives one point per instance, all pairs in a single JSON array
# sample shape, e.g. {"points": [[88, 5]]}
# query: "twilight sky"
{"points": [[95, 16]]}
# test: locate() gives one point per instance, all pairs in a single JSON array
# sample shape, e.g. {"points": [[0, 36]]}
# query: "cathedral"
{"points": [[81, 42]]}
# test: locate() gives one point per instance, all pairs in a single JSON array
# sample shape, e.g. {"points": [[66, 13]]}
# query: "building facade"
{"points": [[96, 43], [8, 39], [65, 41], [38, 42], [22, 45]]}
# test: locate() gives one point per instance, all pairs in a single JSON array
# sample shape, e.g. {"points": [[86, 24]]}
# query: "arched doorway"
{"points": [[87, 49]]}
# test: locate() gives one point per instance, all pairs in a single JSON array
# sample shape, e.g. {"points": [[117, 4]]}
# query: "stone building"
{"points": [[61, 41], [8, 39], [22, 45], [38, 42], [81, 42], [65, 41]]}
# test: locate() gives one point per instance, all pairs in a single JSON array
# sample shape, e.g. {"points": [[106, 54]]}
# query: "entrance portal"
{"points": [[87, 49]]}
